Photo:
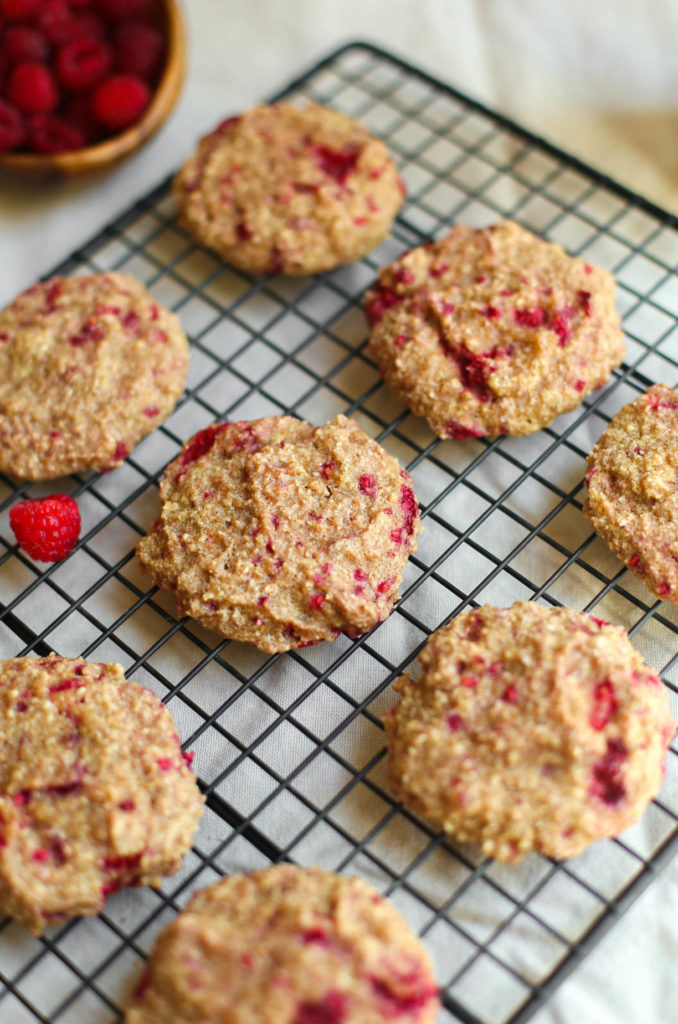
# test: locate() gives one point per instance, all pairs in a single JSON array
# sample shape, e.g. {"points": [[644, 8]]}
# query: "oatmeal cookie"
{"points": [[632, 502], [530, 729], [493, 331], [88, 366], [280, 190], [283, 534], [94, 790], [287, 945]]}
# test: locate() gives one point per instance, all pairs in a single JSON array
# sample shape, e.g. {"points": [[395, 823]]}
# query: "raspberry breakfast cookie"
{"points": [[493, 331], [94, 790], [88, 366], [287, 945], [285, 191], [530, 729], [282, 534], [632, 502]]}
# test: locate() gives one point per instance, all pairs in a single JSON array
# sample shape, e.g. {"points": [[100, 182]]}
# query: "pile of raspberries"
{"points": [[74, 72]]}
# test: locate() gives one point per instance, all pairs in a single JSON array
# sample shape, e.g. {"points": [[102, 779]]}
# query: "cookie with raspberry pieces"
{"points": [[632, 500], [530, 728], [95, 792], [279, 190], [283, 534], [287, 945], [88, 366], [493, 331]]}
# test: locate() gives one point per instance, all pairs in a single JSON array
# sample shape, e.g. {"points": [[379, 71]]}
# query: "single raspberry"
{"points": [[83, 63], [46, 528], [57, 22], [120, 100], [139, 50], [50, 134], [32, 89], [19, 10], [87, 25], [125, 10], [23, 43], [12, 127]]}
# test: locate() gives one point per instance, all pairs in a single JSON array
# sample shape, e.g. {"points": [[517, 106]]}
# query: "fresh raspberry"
{"points": [[32, 89], [23, 43], [87, 25], [139, 50], [78, 112], [83, 63], [46, 528], [120, 100], [19, 10], [50, 134], [12, 127], [125, 10], [57, 22]]}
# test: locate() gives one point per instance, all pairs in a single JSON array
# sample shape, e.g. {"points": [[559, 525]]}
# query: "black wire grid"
{"points": [[289, 749]]}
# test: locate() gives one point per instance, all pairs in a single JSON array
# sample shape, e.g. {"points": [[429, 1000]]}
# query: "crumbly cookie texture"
{"points": [[287, 945], [530, 729], [88, 366], [283, 534], [94, 790], [632, 499], [493, 331], [280, 190]]}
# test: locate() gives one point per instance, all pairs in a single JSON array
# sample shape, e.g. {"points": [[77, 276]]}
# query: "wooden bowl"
{"points": [[103, 154]]}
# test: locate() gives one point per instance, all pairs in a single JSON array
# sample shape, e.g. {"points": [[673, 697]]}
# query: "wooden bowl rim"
{"points": [[107, 152]]}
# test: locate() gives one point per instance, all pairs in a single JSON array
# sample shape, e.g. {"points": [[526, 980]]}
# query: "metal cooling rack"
{"points": [[289, 749]]}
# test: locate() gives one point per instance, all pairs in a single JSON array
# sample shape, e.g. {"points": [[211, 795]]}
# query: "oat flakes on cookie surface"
{"points": [[282, 534], [94, 791], [287, 945], [280, 190], [632, 501], [88, 366], [530, 729], [493, 331]]}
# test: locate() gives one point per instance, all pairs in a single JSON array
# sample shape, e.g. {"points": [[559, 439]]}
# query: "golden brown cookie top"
{"points": [[530, 728], [493, 331], [288, 191], [283, 534], [287, 945], [88, 366], [632, 479], [94, 790]]}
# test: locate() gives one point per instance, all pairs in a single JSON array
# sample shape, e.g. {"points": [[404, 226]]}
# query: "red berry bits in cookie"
{"points": [[288, 945], [76, 71], [287, 191], [46, 528], [282, 534], [84, 807], [82, 360], [632, 500], [559, 741], [501, 334]]}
